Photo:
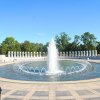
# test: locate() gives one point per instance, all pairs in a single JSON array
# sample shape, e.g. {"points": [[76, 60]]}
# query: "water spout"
{"points": [[53, 66]]}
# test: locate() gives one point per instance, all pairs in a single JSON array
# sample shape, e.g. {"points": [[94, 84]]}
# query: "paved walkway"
{"points": [[57, 91]]}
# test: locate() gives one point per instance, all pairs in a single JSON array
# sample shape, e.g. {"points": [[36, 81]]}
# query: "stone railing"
{"points": [[78, 53], [14, 54]]}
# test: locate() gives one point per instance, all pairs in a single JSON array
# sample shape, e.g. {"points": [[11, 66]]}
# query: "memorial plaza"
{"points": [[68, 90]]}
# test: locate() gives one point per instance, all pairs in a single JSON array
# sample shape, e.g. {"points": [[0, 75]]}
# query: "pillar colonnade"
{"points": [[17, 54]]}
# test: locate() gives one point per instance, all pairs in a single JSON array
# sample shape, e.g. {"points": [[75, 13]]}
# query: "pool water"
{"points": [[37, 71]]}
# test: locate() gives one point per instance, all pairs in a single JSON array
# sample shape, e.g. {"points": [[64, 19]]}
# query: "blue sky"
{"points": [[40, 20]]}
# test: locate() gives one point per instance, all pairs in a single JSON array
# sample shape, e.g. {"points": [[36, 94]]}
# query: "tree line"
{"points": [[86, 41]]}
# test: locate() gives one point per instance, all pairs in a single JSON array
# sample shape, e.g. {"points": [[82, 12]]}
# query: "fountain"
{"points": [[52, 58], [49, 70]]}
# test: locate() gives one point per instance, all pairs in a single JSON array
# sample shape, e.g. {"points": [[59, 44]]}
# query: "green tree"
{"points": [[75, 45], [62, 41], [39, 47], [89, 41], [45, 47], [33, 47], [26, 46], [9, 44], [4, 48], [17, 46]]}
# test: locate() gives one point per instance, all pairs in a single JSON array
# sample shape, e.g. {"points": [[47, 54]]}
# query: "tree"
{"points": [[33, 47], [17, 46], [39, 47], [77, 39], [89, 41], [26, 46], [75, 45], [62, 41], [4, 49], [45, 47], [9, 44]]}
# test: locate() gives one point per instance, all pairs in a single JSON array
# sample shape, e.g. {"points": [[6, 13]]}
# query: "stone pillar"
{"points": [[20, 54], [75, 53], [15, 54], [78, 53], [63, 53], [89, 52], [70, 53], [66, 53], [95, 52], [83, 53], [31, 55], [12, 54], [40, 54], [25, 54], [9, 54], [44, 54], [86, 53], [34, 54], [60, 53], [37, 54], [28, 54], [92, 52]]}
